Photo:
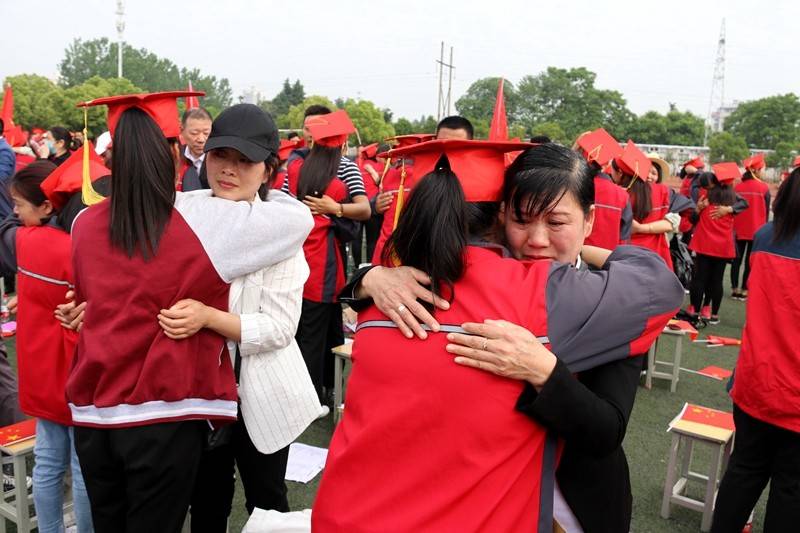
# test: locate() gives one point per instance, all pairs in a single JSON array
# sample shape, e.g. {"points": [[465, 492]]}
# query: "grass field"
{"points": [[646, 443]]}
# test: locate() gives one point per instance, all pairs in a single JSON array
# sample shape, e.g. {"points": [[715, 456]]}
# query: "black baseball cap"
{"points": [[246, 128]]}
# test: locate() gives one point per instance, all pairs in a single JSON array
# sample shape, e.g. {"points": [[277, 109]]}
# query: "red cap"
{"points": [[726, 171], [411, 139], [697, 162], [796, 162], [331, 129], [162, 107], [287, 145], [369, 151], [755, 162], [599, 146], [479, 165], [66, 180], [634, 162]]}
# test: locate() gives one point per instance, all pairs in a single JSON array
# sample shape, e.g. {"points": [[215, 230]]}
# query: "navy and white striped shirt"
{"points": [[348, 172]]}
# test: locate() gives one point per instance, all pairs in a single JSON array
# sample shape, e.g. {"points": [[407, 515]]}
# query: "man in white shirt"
{"points": [[195, 129]]}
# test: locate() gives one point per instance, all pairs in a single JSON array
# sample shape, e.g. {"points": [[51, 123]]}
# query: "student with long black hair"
{"points": [[499, 463], [712, 238], [747, 222], [141, 401], [766, 387]]}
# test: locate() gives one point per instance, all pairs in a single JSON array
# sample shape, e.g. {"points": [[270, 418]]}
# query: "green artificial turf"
{"points": [[646, 443]]}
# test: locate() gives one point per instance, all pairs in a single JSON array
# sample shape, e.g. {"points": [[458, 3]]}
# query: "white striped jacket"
{"points": [[278, 399]]}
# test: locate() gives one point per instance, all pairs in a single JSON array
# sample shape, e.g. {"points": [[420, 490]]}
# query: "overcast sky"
{"points": [[652, 52]]}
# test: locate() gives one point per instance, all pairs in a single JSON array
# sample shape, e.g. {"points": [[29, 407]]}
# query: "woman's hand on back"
{"points": [[322, 206], [395, 292], [70, 314], [504, 349], [184, 319]]}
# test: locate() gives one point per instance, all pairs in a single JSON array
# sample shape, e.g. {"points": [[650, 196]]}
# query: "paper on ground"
{"points": [[305, 462], [272, 521]]}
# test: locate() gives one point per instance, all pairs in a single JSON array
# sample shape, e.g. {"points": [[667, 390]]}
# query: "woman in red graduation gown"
{"points": [[320, 327], [649, 201], [713, 240], [746, 223], [406, 457], [766, 388]]}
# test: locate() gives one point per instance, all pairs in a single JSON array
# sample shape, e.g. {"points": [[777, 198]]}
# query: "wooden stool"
{"points": [[341, 357], [684, 436], [675, 364], [15, 504]]}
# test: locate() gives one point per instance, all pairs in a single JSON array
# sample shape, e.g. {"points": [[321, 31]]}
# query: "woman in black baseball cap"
{"points": [[260, 325]]}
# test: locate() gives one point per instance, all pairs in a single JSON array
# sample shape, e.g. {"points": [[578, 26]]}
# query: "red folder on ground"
{"points": [[723, 341], [715, 372]]}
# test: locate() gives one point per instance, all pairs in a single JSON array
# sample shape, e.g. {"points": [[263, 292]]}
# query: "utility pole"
{"points": [[120, 31], [716, 100], [444, 101]]}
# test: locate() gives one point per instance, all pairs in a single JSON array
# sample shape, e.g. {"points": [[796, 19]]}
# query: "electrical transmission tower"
{"points": [[120, 38], [444, 99], [717, 99]]}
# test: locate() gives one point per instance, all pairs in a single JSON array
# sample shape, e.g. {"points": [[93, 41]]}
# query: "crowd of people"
{"points": [[180, 286]]}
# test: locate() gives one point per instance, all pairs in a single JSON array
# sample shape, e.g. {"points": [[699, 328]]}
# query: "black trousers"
{"points": [[370, 231], [743, 249], [140, 478], [319, 331], [262, 477], [762, 453], [707, 281]]}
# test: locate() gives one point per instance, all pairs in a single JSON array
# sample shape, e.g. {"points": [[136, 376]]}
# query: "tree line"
{"points": [[559, 103]]}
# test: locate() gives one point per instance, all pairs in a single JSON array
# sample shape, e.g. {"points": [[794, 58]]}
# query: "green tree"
{"points": [[725, 146], [552, 130], [289, 95], [34, 101], [676, 127], [570, 99], [782, 156], [403, 126], [98, 57], [95, 87], [767, 121], [293, 119], [479, 100], [369, 120]]}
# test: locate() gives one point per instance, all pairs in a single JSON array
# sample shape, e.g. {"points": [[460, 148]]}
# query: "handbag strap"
{"points": [[237, 363]]}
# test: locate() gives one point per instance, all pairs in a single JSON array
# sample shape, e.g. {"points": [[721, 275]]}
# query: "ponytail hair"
{"points": [[719, 193], [641, 194], [319, 168], [433, 233], [143, 188]]}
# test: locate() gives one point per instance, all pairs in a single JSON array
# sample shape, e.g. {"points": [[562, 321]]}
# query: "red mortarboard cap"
{"points": [[287, 145], [411, 139], [599, 146], [479, 165], [66, 180], [634, 162], [726, 171], [697, 162], [331, 129], [162, 107], [755, 162], [369, 151], [796, 162]]}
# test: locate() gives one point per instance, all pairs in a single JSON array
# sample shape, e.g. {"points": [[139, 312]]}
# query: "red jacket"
{"points": [[713, 237], [748, 221], [45, 350], [322, 249], [767, 381], [610, 203], [391, 183], [127, 372], [657, 242], [453, 454]]}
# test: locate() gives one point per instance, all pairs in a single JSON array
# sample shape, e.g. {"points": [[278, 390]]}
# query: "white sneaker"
{"points": [[325, 412]]}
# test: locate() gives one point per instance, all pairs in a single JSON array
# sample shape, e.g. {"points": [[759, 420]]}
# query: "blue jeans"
{"points": [[53, 453]]}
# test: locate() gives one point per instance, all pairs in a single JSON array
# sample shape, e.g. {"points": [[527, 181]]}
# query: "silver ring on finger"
{"points": [[401, 308], [485, 342]]}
